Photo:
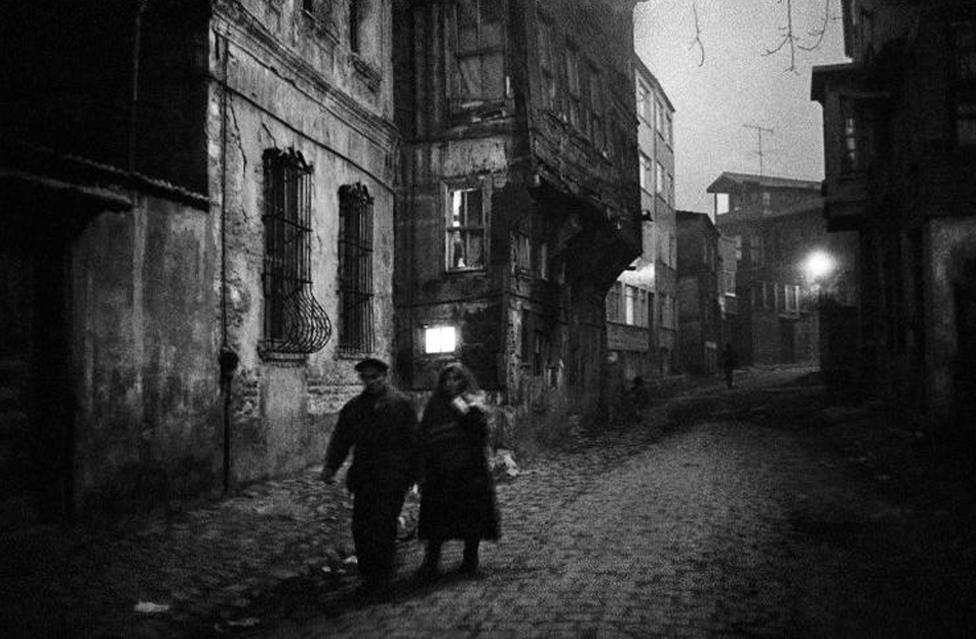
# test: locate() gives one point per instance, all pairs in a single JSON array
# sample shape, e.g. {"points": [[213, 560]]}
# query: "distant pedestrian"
{"points": [[730, 361], [379, 425], [636, 399], [457, 490]]}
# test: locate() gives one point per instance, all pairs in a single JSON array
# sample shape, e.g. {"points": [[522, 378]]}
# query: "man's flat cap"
{"points": [[372, 362]]}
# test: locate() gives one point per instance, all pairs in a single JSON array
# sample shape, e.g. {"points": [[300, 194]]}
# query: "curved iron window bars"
{"points": [[294, 321]]}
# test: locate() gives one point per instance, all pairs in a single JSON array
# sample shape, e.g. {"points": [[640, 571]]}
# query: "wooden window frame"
{"points": [[465, 229], [481, 50]]}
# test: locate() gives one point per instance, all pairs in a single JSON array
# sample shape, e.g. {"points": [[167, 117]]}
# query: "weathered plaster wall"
{"points": [[283, 411], [144, 335]]}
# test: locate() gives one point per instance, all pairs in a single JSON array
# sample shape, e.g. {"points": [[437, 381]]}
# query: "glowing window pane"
{"points": [[440, 339]]}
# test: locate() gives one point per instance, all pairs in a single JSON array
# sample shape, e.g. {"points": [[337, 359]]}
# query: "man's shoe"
{"points": [[373, 592], [427, 574]]}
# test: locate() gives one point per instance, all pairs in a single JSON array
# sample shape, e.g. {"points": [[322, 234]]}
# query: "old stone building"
{"points": [[776, 224], [699, 315], [900, 153], [642, 322], [519, 199], [198, 243]]}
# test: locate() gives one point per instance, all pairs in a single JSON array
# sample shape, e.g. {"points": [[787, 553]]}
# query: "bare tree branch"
{"points": [[789, 39], [822, 30], [697, 40]]}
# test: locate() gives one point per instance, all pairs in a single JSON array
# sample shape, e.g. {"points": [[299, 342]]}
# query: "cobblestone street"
{"points": [[724, 514]]}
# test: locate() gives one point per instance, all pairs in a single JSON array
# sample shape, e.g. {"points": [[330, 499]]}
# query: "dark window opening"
{"points": [[964, 42], [355, 15], [355, 269]]}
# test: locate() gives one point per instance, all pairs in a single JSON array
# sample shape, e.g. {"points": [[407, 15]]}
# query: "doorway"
{"points": [[36, 437]]}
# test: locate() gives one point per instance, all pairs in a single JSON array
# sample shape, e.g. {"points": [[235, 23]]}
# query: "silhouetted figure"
{"points": [[379, 425], [457, 490], [635, 399], [729, 363]]}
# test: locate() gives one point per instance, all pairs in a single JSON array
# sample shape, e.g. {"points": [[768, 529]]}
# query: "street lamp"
{"points": [[818, 266]]}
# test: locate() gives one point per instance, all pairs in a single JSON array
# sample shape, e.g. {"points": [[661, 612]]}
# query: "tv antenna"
{"points": [[759, 133]]}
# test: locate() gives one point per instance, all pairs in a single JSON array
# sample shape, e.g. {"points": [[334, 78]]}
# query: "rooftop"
{"points": [[729, 181]]}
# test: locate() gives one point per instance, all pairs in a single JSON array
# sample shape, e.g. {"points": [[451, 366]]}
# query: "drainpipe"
{"points": [[227, 359], [134, 95]]}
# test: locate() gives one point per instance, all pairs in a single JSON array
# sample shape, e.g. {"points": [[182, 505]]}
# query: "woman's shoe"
{"points": [[468, 567], [427, 574]]}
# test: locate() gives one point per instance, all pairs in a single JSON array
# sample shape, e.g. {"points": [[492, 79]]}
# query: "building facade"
{"points": [[519, 202], [202, 199], [728, 301], [900, 153], [776, 224], [642, 321], [699, 314]]}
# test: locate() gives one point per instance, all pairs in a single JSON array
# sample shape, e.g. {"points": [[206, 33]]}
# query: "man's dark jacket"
{"points": [[380, 429]]}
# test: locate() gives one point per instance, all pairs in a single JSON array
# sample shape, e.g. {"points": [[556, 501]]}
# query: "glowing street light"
{"points": [[818, 265]]}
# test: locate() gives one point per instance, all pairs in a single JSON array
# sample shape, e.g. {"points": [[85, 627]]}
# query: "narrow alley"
{"points": [[724, 514]]}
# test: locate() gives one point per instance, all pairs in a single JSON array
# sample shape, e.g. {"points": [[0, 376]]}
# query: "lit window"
{"points": [[659, 185], [440, 339], [630, 293], [465, 230], [850, 144]]}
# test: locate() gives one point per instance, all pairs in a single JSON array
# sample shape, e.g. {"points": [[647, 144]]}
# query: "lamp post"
{"points": [[818, 266]]}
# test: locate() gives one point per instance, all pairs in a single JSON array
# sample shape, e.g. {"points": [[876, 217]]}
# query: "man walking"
{"points": [[729, 361], [379, 425]]}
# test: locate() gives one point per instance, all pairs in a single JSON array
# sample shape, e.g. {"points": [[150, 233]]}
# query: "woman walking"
{"points": [[458, 493]]}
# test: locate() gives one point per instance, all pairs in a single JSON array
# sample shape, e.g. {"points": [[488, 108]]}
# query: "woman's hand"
{"points": [[475, 401], [460, 405]]}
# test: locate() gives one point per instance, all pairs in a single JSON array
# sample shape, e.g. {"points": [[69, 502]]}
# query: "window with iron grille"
{"points": [[355, 269], [294, 322]]}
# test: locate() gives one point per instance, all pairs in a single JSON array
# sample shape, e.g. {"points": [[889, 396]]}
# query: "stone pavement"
{"points": [[726, 513]]}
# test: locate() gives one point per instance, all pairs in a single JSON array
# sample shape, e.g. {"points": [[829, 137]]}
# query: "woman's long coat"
{"points": [[458, 492]]}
